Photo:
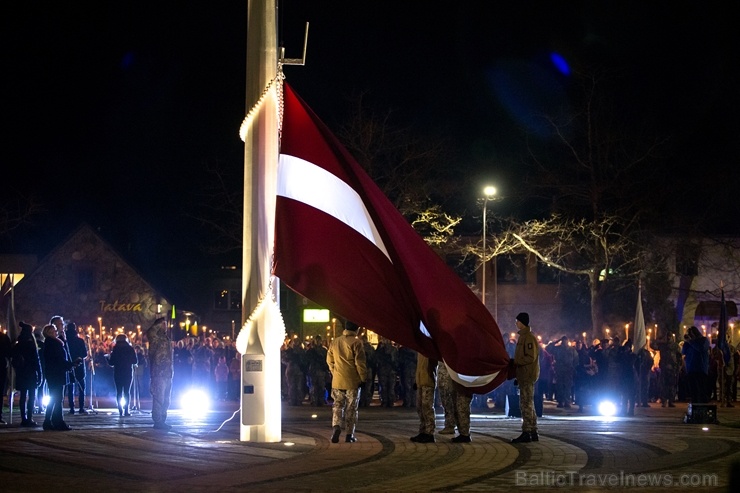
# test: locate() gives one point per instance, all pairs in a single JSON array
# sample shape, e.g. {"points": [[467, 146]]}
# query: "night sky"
{"points": [[113, 111]]}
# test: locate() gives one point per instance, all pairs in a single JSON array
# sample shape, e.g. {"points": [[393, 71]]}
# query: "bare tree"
{"points": [[408, 170], [16, 211], [411, 170], [587, 175]]}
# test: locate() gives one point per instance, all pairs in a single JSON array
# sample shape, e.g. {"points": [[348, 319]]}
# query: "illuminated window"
{"points": [[235, 300], [225, 299], [221, 300]]}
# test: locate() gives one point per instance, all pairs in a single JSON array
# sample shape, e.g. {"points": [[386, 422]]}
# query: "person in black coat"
{"points": [[27, 372], [77, 349], [57, 365], [6, 349], [123, 359]]}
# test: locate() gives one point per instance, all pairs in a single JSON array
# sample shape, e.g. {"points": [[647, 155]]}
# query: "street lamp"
{"points": [[488, 193]]}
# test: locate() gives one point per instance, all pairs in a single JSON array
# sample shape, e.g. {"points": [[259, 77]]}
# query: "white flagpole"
{"points": [[260, 396]]}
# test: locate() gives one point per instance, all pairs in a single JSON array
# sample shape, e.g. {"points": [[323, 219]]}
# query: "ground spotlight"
{"points": [[607, 408], [195, 401], [45, 400]]}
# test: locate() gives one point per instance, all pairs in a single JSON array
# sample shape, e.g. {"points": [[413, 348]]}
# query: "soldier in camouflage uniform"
{"points": [[386, 357], [346, 360], [444, 383], [160, 370], [527, 363], [461, 397], [317, 370], [669, 365], [426, 382]]}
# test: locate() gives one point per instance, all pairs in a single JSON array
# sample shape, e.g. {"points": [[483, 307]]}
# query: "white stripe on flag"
{"points": [[312, 185]]}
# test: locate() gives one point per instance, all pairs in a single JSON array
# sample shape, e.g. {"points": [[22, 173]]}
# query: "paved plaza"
{"points": [[652, 451]]}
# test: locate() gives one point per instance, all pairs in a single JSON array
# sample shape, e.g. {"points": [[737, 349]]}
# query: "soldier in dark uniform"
{"points": [[317, 370], [669, 365], [366, 396], [386, 356], [160, 371], [407, 371]]}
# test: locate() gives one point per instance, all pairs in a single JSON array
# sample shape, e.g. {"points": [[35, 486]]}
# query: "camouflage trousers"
{"points": [[526, 404], [161, 389], [425, 409], [344, 410], [462, 412], [444, 383]]}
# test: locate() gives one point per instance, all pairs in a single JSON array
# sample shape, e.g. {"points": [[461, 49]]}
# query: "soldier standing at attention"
{"points": [[527, 363], [160, 370]]}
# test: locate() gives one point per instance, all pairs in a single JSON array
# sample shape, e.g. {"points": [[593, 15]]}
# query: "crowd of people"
{"points": [[60, 361], [59, 366], [569, 372], [663, 371]]}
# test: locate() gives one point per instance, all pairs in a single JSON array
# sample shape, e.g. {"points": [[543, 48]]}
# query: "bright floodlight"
{"points": [[489, 191], [607, 408], [45, 400], [123, 401], [195, 401]]}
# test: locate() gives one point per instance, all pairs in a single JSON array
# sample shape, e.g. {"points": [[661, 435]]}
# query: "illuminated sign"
{"points": [[117, 306], [316, 315]]}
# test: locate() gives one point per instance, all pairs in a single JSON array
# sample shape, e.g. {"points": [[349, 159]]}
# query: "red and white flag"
{"points": [[341, 243]]}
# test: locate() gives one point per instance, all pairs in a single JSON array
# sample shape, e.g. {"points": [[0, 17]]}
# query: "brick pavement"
{"points": [[579, 452]]}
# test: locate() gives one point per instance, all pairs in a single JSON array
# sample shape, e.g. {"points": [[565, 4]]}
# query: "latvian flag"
{"points": [[341, 243]]}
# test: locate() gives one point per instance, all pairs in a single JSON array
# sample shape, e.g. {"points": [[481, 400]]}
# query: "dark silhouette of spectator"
{"points": [[77, 349], [368, 386], [6, 349], [386, 356], [669, 365], [696, 353], [407, 374], [57, 366], [317, 371], [123, 358], [27, 373], [294, 359], [183, 367]]}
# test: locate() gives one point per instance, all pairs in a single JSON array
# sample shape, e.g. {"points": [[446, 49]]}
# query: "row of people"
{"points": [[52, 360]]}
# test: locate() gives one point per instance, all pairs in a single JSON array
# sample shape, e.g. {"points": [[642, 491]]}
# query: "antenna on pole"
{"points": [[295, 61]]}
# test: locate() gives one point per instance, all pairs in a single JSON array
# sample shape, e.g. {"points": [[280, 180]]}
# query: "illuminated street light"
{"points": [[488, 193]]}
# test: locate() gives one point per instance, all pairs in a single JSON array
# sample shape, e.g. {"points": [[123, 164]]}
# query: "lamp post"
{"points": [[488, 194]]}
